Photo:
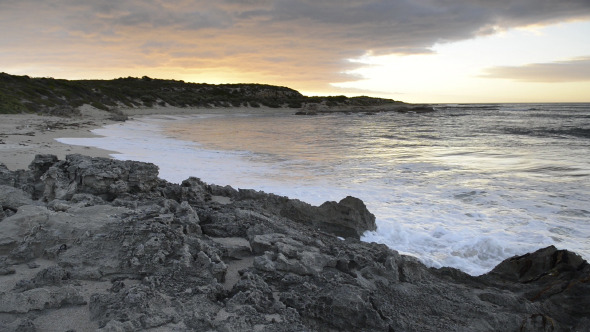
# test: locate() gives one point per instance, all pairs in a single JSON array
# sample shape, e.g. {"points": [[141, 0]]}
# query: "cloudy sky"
{"points": [[411, 50]]}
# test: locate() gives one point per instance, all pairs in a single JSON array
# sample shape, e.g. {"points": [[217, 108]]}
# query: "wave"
{"points": [[549, 132], [461, 192]]}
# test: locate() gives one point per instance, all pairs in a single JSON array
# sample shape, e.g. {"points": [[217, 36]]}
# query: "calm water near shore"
{"points": [[466, 186]]}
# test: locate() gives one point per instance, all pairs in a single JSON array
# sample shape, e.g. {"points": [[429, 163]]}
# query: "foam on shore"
{"points": [[467, 220]]}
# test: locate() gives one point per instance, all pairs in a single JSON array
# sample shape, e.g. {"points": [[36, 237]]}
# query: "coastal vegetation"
{"points": [[24, 94]]}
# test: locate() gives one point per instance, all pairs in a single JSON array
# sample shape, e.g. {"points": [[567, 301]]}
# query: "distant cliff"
{"points": [[63, 97]]}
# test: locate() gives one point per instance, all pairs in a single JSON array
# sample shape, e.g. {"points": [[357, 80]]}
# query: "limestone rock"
{"points": [[347, 218], [131, 252], [39, 299], [12, 198], [97, 176]]}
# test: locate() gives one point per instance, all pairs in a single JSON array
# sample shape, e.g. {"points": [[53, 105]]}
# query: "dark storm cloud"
{"points": [[563, 71], [296, 41]]}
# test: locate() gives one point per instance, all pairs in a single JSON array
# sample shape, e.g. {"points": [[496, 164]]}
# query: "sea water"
{"points": [[466, 186]]}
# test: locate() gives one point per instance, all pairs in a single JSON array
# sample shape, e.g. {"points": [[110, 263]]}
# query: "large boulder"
{"points": [[348, 218], [540, 267], [41, 163], [102, 177], [557, 279], [11, 199]]}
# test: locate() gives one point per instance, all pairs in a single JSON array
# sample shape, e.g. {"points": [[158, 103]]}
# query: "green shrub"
{"points": [[99, 105], [25, 94]]}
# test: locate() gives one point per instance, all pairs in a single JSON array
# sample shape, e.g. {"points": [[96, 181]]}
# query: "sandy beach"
{"points": [[22, 136]]}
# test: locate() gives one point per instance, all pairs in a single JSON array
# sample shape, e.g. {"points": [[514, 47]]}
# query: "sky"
{"points": [[421, 51]]}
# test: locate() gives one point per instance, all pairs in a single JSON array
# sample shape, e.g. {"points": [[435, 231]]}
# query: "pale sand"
{"points": [[22, 136]]}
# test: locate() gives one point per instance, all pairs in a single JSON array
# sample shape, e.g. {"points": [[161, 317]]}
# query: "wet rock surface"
{"points": [[95, 244]]}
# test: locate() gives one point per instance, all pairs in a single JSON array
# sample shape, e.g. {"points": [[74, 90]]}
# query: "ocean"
{"points": [[466, 186]]}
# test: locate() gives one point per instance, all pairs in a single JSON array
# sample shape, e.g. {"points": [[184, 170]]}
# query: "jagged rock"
{"points": [[233, 247], [226, 191], [39, 299], [231, 221], [5, 269], [7, 177], [12, 198], [50, 276], [41, 163], [265, 242], [16, 230], [97, 176], [252, 290], [19, 325], [347, 218], [128, 308], [187, 218], [556, 278], [547, 264], [83, 200], [145, 254]]}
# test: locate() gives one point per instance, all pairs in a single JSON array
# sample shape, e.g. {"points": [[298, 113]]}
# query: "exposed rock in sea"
{"points": [[315, 109], [97, 244], [306, 113]]}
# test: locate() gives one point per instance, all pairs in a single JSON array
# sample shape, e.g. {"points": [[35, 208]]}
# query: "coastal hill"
{"points": [[20, 94]]}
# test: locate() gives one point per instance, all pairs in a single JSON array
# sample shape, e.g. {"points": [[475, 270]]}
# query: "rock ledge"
{"points": [[96, 244]]}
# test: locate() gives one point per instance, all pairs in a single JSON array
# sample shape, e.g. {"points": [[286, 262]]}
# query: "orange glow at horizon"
{"points": [[439, 53]]}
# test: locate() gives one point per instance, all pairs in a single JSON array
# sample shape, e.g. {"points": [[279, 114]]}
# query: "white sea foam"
{"points": [[457, 206]]}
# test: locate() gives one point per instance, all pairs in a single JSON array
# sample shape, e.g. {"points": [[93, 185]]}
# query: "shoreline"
{"points": [[144, 122], [107, 243], [22, 136]]}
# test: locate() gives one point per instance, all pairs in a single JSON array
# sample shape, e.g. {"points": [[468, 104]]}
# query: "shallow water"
{"points": [[467, 186]]}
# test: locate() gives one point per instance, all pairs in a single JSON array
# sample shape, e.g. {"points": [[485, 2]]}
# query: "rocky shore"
{"points": [[92, 244], [323, 108]]}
